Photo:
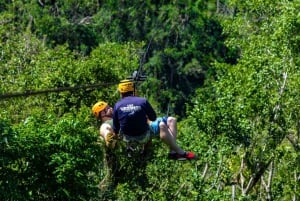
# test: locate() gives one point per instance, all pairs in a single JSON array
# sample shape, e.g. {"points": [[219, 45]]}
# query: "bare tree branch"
{"points": [[179, 189], [233, 192], [294, 141], [278, 107], [217, 175], [268, 187], [242, 178], [295, 188], [41, 3], [205, 170], [256, 176]]}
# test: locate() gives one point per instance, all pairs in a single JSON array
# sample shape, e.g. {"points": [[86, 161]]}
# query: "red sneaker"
{"points": [[182, 157]]}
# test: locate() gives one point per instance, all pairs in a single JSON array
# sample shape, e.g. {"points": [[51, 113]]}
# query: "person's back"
{"points": [[130, 115]]}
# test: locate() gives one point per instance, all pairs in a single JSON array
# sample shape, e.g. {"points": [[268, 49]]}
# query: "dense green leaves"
{"points": [[250, 104], [46, 158], [34, 67], [243, 119], [181, 40]]}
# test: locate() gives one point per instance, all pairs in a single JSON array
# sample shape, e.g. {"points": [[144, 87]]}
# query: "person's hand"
{"points": [[110, 140], [149, 121]]}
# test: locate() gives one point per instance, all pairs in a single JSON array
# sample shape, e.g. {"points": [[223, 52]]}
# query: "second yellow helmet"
{"points": [[98, 107]]}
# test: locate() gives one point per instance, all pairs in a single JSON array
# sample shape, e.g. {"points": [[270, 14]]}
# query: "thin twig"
{"points": [[205, 170], [217, 175], [179, 189], [233, 192]]}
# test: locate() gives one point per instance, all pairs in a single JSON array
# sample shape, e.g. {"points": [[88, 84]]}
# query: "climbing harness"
{"points": [[135, 145]]}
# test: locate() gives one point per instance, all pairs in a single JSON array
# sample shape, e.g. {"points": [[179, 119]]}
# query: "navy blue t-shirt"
{"points": [[130, 115]]}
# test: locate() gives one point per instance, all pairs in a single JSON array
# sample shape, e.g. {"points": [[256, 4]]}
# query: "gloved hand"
{"points": [[110, 140]]}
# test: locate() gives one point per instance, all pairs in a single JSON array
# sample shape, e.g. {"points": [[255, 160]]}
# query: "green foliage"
{"points": [[252, 105], [33, 67], [243, 123], [184, 38], [45, 158], [185, 43], [154, 177]]}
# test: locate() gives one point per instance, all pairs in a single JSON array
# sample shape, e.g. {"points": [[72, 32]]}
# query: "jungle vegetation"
{"points": [[227, 70]]}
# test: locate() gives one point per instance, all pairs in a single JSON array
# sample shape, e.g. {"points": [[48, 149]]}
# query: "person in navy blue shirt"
{"points": [[131, 114], [133, 117]]}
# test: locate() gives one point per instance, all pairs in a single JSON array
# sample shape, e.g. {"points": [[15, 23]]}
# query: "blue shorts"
{"points": [[154, 125]]}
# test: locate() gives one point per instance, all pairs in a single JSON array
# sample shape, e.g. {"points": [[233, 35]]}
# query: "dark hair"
{"points": [[129, 93]]}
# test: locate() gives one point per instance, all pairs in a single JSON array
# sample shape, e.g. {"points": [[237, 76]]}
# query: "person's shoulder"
{"points": [[139, 98], [116, 105]]}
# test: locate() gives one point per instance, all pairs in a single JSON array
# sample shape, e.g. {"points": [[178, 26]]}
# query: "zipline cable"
{"points": [[136, 76], [60, 89]]}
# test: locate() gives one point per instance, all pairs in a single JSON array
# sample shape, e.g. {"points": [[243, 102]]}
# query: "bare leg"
{"points": [[172, 124], [168, 138]]}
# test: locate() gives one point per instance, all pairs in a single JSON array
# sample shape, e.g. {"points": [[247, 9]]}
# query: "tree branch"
{"points": [[277, 107], [257, 175], [205, 170], [268, 186], [294, 141]]}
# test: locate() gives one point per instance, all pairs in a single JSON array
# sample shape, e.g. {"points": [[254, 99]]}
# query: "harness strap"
{"points": [[136, 144]]}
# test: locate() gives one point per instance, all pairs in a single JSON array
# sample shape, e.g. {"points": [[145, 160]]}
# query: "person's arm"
{"points": [[105, 129], [151, 114], [116, 124], [108, 135]]}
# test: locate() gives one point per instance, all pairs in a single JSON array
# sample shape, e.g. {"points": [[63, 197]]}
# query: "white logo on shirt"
{"points": [[130, 108]]}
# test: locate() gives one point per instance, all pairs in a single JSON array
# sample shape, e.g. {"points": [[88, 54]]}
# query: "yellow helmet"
{"points": [[125, 86], [98, 107]]}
